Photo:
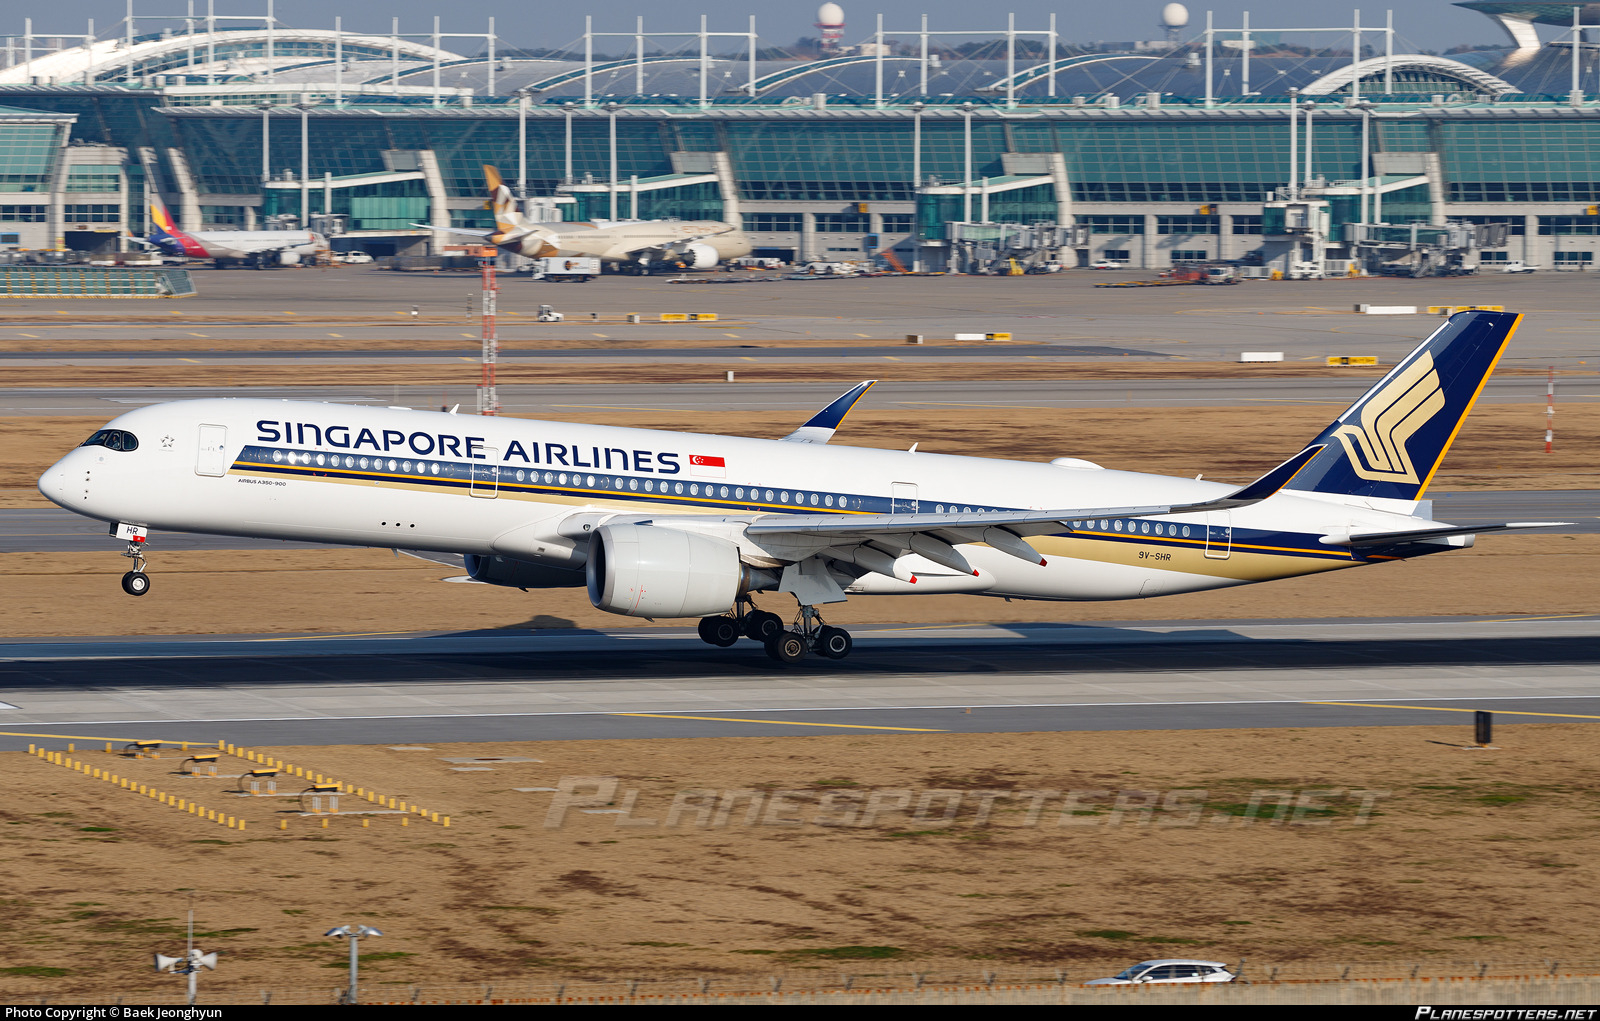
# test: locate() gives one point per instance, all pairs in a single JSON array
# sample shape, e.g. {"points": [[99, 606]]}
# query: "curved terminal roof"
{"points": [[375, 65], [227, 54], [1404, 67]]}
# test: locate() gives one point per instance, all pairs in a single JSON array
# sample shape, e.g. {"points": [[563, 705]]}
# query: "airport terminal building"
{"points": [[1226, 147]]}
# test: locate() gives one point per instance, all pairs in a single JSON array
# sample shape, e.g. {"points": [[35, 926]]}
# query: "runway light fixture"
{"points": [[353, 933]]}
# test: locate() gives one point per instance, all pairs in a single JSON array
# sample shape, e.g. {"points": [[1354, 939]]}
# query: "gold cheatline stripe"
{"points": [[1452, 709], [781, 723]]}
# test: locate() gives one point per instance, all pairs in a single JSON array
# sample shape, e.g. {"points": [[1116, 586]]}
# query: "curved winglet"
{"points": [[819, 428]]}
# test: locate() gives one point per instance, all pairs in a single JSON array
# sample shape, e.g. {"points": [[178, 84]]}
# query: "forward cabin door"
{"points": [[485, 483], [902, 498], [212, 456]]}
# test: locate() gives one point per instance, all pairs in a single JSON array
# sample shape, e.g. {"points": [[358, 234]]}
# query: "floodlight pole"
{"points": [[353, 933]]}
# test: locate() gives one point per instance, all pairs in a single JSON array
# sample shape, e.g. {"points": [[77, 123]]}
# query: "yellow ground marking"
{"points": [[864, 336], [199, 335], [781, 723], [1453, 709], [191, 361], [84, 737], [469, 336], [735, 336], [31, 335], [339, 335], [1559, 616], [602, 336], [890, 358], [605, 407]]}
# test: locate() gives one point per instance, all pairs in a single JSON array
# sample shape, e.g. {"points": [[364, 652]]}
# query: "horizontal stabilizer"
{"points": [[819, 428], [1422, 534]]}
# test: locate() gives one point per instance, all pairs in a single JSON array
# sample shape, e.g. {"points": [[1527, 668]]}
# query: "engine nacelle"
{"points": [[288, 258], [648, 571], [512, 573], [699, 256]]}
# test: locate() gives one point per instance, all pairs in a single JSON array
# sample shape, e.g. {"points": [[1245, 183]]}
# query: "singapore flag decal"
{"points": [[708, 467]]}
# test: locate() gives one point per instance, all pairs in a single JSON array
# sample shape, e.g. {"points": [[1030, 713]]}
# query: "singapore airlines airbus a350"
{"points": [[669, 524]]}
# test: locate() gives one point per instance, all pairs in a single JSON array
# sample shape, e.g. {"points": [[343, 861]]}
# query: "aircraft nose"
{"points": [[63, 480]]}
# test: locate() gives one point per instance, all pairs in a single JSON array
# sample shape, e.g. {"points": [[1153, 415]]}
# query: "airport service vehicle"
{"points": [[257, 248], [1168, 971], [637, 246], [1518, 266], [558, 269], [1108, 264], [688, 525], [354, 258]]}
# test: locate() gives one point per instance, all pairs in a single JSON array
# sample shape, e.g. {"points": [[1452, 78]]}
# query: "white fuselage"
{"points": [[388, 477], [625, 240]]}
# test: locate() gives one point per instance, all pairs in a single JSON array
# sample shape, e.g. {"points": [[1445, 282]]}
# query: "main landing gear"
{"points": [[135, 582], [785, 646]]}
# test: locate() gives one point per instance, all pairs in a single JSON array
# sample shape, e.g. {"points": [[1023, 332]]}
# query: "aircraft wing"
{"points": [[934, 536], [468, 231], [645, 246]]}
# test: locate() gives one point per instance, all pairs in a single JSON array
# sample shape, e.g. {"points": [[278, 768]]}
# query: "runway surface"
{"points": [[659, 683], [1303, 319], [56, 530], [557, 399]]}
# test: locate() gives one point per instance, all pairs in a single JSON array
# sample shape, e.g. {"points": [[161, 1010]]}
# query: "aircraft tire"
{"points": [[136, 583], [759, 625], [834, 643], [719, 631], [787, 647]]}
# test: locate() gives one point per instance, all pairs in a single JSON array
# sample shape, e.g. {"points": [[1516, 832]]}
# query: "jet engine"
{"points": [[288, 258], [522, 574], [698, 256], [649, 571]]}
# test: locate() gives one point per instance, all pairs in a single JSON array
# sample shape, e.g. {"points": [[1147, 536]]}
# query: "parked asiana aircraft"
{"points": [[670, 524], [258, 248]]}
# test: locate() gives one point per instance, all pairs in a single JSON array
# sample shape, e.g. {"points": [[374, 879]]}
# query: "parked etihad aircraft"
{"points": [[670, 524], [259, 248], [633, 244]]}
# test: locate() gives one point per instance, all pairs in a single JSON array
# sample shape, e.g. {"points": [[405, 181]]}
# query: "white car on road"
{"points": [[1168, 971]]}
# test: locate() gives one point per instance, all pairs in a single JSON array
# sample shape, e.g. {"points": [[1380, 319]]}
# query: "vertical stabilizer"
{"points": [[504, 205], [1390, 442]]}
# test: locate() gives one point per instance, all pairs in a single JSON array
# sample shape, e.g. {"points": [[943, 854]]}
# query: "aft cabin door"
{"points": [[902, 498], [485, 482], [1219, 534], [212, 458]]}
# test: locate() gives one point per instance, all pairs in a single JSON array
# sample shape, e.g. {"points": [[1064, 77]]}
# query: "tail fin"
{"points": [[501, 201], [1390, 442], [167, 236]]}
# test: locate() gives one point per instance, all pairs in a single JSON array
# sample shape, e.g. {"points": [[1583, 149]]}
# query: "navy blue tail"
{"points": [[1391, 441]]}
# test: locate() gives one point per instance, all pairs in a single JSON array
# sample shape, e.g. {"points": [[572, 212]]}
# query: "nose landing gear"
{"points": [[135, 582]]}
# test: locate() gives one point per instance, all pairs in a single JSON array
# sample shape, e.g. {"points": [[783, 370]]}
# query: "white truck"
{"points": [[1517, 266], [577, 268]]}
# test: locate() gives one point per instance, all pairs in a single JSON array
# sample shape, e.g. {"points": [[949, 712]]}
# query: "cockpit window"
{"points": [[115, 439]]}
